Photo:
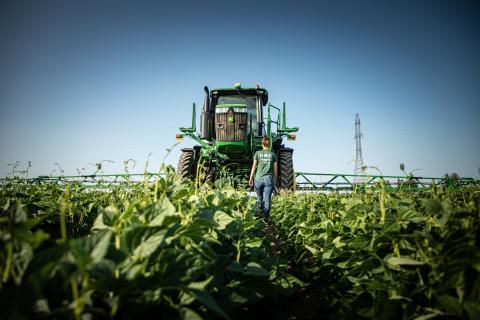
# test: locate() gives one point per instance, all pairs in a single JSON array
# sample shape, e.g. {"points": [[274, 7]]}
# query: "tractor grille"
{"points": [[231, 126]]}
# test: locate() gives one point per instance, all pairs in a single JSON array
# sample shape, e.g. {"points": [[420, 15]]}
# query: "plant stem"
{"points": [[8, 263], [77, 312]]}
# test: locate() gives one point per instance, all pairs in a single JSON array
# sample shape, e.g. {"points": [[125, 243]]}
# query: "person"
{"points": [[265, 170]]}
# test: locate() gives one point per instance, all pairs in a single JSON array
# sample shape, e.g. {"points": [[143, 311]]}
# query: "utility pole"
{"points": [[358, 146]]}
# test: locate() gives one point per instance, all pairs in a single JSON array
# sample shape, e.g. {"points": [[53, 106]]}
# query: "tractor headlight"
{"points": [[240, 110], [235, 109]]}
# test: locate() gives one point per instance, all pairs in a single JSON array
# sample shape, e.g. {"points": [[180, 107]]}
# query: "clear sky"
{"points": [[86, 81]]}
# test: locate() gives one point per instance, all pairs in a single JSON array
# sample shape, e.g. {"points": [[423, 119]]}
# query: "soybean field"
{"points": [[171, 249]]}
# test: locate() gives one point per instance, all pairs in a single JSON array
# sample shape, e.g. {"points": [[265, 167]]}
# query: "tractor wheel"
{"points": [[209, 175], [286, 179], [186, 164]]}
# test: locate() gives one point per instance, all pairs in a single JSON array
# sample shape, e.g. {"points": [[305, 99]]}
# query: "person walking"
{"points": [[265, 170]]}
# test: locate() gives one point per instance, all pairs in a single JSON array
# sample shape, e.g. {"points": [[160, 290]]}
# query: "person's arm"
{"points": [[275, 167], [254, 167]]}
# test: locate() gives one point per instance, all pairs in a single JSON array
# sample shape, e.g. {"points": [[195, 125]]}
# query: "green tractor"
{"points": [[232, 124]]}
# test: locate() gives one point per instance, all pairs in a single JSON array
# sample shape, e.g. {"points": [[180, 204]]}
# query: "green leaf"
{"points": [[236, 298], [444, 218], [337, 242], [110, 215], [327, 254], [234, 229], [360, 241], [38, 238], [80, 250], [149, 245], [433, 314], [20, 261], [17, 213], [186, 298], [254, 269], [433, 206], [101, 247], [391, 225], [311, 249], [450, 304], [254, 243], [98, 224], [223, 219], [157, 215], [130, 210], [189, 314], [207, 300], [412, 216], [200, 285], [235, 267], [289, 282]]}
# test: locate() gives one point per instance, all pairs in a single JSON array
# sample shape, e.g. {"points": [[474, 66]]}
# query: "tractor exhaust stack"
{"points": [[206, 118]]}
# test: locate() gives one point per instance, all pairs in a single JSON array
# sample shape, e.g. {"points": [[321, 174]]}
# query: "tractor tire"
{"points": [[209, 175], [186, 164], [286, 175]]}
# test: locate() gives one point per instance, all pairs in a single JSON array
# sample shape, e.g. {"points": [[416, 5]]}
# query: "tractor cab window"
{"points": [[250, 101]]}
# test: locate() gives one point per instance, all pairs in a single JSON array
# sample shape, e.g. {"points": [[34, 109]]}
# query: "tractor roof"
{"points": [[252, 91], [246, 91]]}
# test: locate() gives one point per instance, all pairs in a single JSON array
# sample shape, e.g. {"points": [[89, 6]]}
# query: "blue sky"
{"points": [[86, 81]]}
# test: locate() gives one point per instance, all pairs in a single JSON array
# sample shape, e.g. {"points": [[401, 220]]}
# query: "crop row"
{"points": [[386, 255], [167, 251]]}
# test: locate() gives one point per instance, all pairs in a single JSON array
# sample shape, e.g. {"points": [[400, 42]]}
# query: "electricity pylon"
{"points": [[359, 166]]}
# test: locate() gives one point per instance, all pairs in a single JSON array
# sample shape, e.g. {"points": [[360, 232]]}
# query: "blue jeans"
{"points": [[264, 188]]}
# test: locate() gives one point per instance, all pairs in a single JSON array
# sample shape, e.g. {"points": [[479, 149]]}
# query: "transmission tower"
{"points": [[358, 146]]}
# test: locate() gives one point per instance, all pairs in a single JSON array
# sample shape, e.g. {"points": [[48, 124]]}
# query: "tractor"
{"points": [[232, 124]]}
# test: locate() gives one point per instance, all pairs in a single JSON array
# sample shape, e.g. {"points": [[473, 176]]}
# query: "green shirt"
{"points": [[265, 160]]}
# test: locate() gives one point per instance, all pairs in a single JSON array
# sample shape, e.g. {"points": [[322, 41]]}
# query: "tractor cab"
{"points": [[232, 117]]}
